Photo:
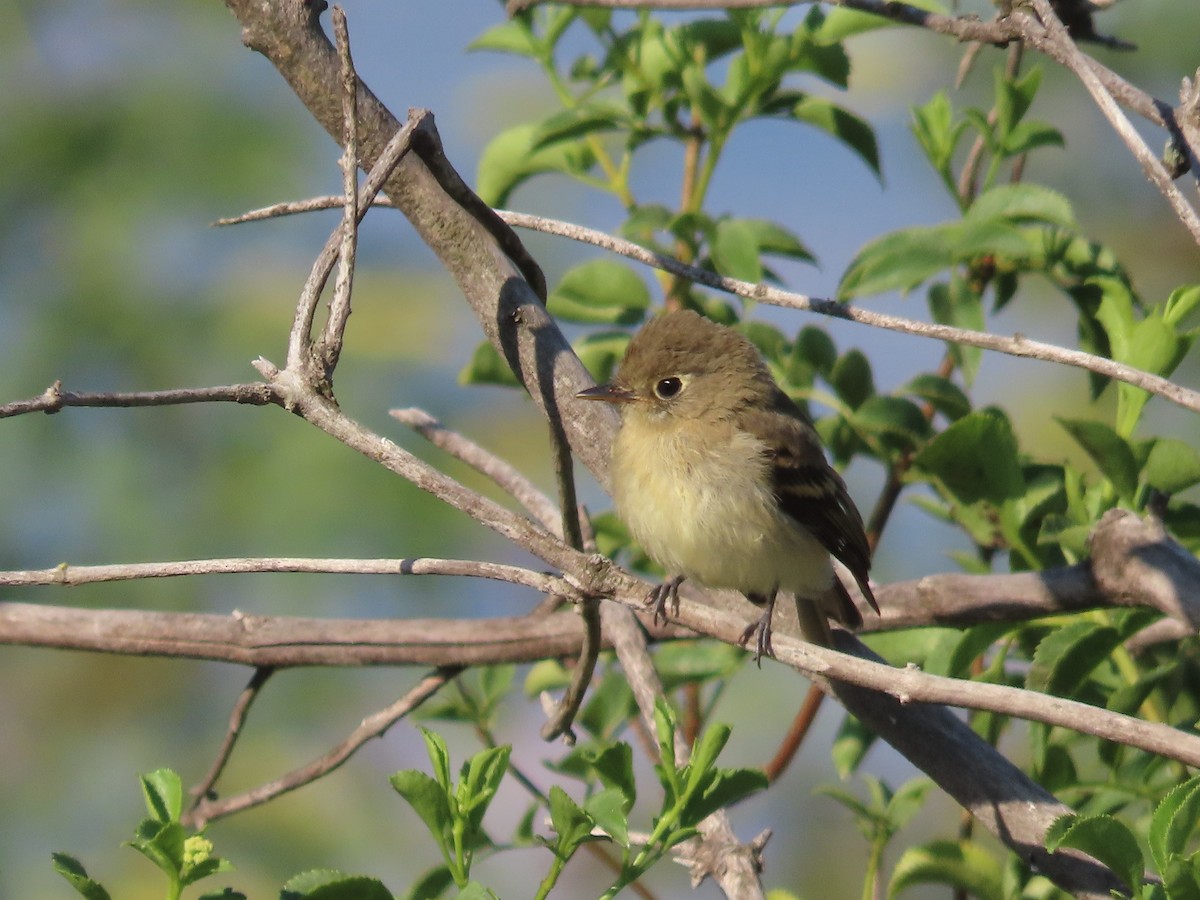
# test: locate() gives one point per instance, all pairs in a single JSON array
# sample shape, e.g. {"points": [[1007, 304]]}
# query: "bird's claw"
{"points": [[660, 596], [761, 631]]}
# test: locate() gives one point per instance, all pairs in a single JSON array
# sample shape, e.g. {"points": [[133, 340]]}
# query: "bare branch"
{"points": [[54, 398], [69, 575], [237, 719], [393, 153], [329, 347], [506, 476], [998, 32], [1074, 59], [375, 725], [285, 642], [1017, 345], [718, 853]]}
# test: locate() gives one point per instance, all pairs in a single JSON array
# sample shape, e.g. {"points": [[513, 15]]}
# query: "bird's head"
{"points": [[682, 365]]}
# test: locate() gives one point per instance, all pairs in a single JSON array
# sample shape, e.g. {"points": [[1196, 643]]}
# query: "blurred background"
{"points": [[125, 129]]}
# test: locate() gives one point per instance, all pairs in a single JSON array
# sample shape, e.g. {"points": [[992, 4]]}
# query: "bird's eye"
{"points": [[668, 388]]}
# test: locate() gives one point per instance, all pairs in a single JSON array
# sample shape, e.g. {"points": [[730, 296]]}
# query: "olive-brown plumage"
{"points": [[721, 477]]}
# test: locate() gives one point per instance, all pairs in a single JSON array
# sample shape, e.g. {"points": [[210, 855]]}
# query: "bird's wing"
{"points": [[810, 490]]}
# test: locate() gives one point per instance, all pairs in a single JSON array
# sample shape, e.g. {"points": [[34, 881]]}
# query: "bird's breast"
{"points": [[699, 499]]}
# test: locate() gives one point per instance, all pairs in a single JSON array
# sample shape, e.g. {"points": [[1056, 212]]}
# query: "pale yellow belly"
{"points": [[705, 510]]}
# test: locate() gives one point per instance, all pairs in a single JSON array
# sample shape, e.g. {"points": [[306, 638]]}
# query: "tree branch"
{"points": [[54, 398], [506, 476], [1018, 345], [373, 726]]}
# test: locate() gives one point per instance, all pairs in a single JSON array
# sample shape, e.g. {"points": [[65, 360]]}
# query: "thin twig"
{"points": [[301, 334], [732, 864], [814, 698], [372, 726], [329, 347], [428, 145], [998, 32], [1152, 165], [505, 476], [559, 723], [67, 575], [237, 719], [1017, 345], [54, 398]]}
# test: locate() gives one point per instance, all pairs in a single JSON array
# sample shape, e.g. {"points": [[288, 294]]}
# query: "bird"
{"points": [[722, 479]]}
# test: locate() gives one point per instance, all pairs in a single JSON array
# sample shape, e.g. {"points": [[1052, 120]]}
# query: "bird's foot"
{"points": [[667, 592], [761, 632]]}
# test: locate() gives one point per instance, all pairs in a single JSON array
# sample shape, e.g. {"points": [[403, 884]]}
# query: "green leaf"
{"points": [[851, 378], [960, 305], [937, 131], [907, 801], [429, 800], [513, 36], [600, 292], [722, 788], [961, 864], [487, 367], [439, 756], [1023, 203], [609, 707], [1108, 450], [690, 662], [608, 809], [644, 221], [1102, 837], [816, 349], [1067, 656], [72, 869], [1172, 466], [600, 351], [572, 825], [769, 340], [848, 128], [706, 102], [546, 675], [975, 458], [1173, 822], [1182, 878], [479, 782], [1182, 303], [898, 424], [1030, 135], [1014, 97], [163, 792], [777, 240], [512, 157], [841, 23], [851, 745], [579, 122], [327, 884], [899, 261], [709, 746], [162, 844], [614, 766], [713, 38], [735, 250], [941, 393]]}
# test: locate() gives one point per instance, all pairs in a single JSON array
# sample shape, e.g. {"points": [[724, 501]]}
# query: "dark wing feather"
{"points": [[810, 490]]}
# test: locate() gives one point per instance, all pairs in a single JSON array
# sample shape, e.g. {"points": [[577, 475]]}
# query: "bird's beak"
{"points": [[609, 393]]}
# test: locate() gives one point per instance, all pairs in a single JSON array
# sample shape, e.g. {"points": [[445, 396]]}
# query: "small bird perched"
{"points": [[721, 478]]}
